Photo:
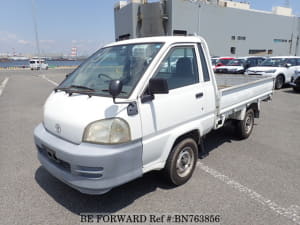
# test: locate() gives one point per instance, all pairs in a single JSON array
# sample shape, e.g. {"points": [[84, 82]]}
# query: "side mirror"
{"points": [[115, 88], [158, 86], [287, 65]]}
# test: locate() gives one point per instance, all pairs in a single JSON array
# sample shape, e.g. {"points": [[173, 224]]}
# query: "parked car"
{"points": [[222, 61], [281, 68], [295, 81], [239, 65], [101, 130], [214, 60], [38, 64]]}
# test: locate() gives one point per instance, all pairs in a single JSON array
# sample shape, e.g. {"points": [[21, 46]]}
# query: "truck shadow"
{"points": [[119, 197], [218, 137], [113, 201], [291, 92]]}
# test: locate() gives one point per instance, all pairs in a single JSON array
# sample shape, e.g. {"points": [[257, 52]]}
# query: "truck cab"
{"points": [[148, 110]]}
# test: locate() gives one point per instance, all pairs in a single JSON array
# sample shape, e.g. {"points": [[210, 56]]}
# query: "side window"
{"points": [[292, 62], [250, 62], [298, 61], [260, 60], [253, 62], [179, 68], [203, 64]]}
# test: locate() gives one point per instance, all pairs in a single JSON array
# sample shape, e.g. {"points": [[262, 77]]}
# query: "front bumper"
{"points": [[88, 168], [225, 71], [295, 82]]}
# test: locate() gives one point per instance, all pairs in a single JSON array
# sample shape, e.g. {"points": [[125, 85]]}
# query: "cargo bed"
{"points": [[236, 91]]}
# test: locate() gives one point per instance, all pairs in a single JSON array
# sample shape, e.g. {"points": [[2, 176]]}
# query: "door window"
{"points": [[179, 68]]}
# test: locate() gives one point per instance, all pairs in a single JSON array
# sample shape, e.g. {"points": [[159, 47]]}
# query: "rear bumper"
{"points": [[88, 168]]}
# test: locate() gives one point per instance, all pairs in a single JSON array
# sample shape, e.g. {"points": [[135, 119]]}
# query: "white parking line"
{"points": [[292, 213], [47, 79], [3, 84]]}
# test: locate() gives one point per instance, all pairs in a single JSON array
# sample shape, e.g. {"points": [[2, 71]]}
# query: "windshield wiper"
{"points": [[82, 87], [68, 89], [106, 90]]}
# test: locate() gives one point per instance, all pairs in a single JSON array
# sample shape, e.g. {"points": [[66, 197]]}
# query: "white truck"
{"points": [[122, 113], [38, 64]]}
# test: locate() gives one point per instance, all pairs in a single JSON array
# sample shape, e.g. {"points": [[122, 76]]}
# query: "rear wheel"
{"points": [[181, 162], [244, 127], [279, 82]]}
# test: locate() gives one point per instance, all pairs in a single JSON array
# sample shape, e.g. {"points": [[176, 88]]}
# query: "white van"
{"points": [[281, 68], [38, 64], [124, 112]]}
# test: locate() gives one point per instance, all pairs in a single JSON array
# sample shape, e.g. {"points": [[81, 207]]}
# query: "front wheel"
{"points": [[181, 162], [279, 82], [244, 127]]}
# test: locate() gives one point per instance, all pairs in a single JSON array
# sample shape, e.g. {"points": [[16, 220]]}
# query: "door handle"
{"points": [[199, 95]]}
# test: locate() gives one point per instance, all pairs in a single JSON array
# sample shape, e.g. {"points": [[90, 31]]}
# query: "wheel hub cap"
{"points": [[185, 162]]}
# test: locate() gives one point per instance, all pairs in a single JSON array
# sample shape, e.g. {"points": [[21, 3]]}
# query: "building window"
{"points": [[280, 40], [270, 52], [233, 38], [124, 37], [232, 50], [257, 51], [241, 38], [179, 32]]}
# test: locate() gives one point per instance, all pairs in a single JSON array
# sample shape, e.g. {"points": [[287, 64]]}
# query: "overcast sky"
{"points": [[63, 24]]}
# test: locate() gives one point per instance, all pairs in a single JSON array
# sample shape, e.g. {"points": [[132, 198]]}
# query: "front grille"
{"points": [[221, 71], [83, 171]]}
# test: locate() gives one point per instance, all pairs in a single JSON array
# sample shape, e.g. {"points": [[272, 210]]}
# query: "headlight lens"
{"points": [[108, 131], [270, 71]]}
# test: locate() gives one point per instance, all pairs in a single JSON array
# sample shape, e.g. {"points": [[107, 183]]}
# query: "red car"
{"points": [[223, 61]]}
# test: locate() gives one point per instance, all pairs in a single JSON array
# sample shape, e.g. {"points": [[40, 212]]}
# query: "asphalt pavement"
{"points": [[254, 181]]}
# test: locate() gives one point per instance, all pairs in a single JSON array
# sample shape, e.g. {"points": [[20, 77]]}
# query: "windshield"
{"points": [[236, 62], [214, 61], [223, 61], [274, 62], [124, 62]]}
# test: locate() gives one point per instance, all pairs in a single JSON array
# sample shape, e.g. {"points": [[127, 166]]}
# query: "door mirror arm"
{"points": [[115, 88]]}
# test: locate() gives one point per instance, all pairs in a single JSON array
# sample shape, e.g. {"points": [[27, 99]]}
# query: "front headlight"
{"points": [[270, 71], [107, 131]]}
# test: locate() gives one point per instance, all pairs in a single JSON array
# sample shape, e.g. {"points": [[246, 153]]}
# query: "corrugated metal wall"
{"points": [[225, 29]]}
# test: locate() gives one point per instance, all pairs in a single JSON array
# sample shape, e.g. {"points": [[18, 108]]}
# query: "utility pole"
{"points": [[35, 28]]}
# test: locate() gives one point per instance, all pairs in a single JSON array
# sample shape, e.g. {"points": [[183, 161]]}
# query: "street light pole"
{"points": [[35, 28]]}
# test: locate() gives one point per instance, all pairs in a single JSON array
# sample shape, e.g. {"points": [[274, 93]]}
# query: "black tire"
{"points": [[296, 89], [181, 162], [244, 127], [279, 82]]}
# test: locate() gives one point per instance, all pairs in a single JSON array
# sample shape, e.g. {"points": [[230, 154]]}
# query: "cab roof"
{"points": [[163, 39]]}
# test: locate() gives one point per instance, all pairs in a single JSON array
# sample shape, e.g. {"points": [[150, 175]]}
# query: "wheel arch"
{"points": [[255, 107], [193, 133]]}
